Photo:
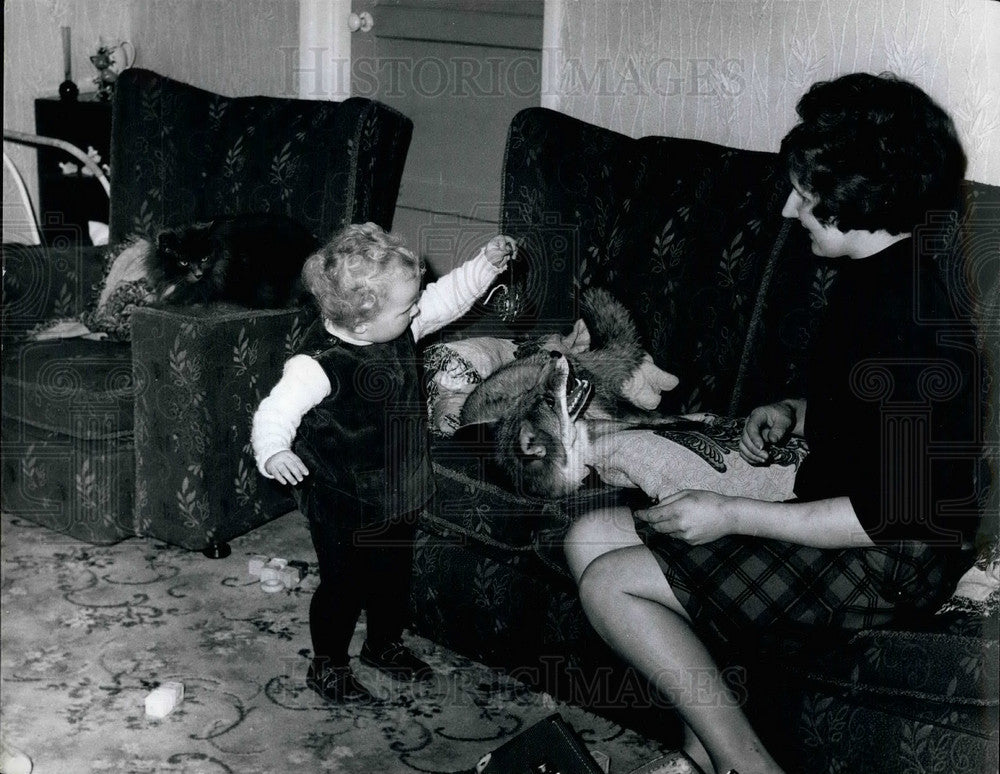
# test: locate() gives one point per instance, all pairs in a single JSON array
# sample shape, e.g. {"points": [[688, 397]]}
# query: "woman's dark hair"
{"points": [[875, 151]]}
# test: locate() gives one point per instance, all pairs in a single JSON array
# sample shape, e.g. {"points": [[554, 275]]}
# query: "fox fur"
{"points": [[548, 446], [622, 374], [615, 381]]}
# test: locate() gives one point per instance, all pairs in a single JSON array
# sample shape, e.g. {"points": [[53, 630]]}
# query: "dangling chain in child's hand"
{"points": [[509, 297]]}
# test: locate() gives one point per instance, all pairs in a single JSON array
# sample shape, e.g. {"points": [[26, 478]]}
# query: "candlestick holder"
{"points": [[67, 89]]}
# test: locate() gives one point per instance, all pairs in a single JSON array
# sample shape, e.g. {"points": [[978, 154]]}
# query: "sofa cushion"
{"points": [[82, 486], [816, 728], [76, 387], [947, 658], [44, 283]]}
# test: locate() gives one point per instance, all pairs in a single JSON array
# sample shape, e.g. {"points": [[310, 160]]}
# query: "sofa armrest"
{"points": [[43, 283], [199, 375]]}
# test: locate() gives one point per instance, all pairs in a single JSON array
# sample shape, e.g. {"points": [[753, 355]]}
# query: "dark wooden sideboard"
{"points": [[68, 201]]}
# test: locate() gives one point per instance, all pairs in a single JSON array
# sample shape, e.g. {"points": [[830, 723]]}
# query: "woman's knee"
{"points": [[632, 571], [597, 533], [603, 580]]}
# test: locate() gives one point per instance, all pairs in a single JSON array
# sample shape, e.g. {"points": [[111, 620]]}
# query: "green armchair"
{"points": [[107, 439]]}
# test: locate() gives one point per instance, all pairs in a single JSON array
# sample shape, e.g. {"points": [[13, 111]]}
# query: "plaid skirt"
{"points": [[737, 585]]}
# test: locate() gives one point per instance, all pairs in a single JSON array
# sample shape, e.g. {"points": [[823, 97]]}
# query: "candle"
{"points": [[67, 67]]}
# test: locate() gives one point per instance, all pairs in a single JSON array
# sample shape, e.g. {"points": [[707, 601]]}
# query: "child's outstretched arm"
{"points": [[454, 294], [303, 384]]}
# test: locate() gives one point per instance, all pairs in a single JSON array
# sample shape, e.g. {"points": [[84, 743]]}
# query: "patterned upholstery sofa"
{"points": [[150, 436], [726, 294]]}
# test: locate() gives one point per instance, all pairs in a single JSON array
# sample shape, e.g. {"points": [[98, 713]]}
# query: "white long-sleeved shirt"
{"points": [[304, 383]]}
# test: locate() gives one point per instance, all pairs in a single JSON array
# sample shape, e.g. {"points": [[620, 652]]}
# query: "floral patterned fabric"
{"points": [[67, 454], [727, 295], [103, 440], [200, 374], [42, 283], [683, 230], [182, 154]]}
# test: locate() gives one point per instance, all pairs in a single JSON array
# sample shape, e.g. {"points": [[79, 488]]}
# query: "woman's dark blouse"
{"points": [[891, 403]]}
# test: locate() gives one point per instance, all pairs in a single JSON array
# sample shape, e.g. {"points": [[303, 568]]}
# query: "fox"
{"points": [[550, 446], [560, 416]]}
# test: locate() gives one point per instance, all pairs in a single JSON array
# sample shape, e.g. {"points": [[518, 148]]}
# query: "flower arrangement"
{"points": [[104, 60]]}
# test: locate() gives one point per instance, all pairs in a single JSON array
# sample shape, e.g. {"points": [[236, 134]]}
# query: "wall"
{"points": [[234, 48], [730, 72]]}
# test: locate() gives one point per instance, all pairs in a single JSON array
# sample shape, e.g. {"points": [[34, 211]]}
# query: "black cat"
{"points": [[251, 260]]}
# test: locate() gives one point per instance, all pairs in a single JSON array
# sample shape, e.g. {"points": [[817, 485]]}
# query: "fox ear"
{"points": [[578, 340], [529, 443]]}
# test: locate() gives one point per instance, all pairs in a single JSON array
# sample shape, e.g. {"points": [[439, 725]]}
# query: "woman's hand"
{"points": [[770, 425], [287, 467], [693, 515], [501, 249]]}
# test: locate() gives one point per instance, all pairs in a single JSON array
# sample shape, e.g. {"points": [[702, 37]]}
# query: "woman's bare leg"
{"points": [[631, 605], [600, 532], [596, 533]]}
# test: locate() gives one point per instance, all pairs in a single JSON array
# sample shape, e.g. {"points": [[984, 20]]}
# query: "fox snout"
{"points": [[562, 389]]}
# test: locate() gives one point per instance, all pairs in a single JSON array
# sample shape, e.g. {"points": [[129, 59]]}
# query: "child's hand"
{"points": [[501, 249], [286, 467]]}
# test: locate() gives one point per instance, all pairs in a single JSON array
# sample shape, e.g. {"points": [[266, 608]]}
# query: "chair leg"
{"points": [[216, 550]]}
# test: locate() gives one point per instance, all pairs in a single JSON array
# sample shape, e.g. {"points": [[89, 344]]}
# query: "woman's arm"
{"points": [[828, 523], [697, 516]]}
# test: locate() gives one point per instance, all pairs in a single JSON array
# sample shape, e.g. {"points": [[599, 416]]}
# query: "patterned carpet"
{"points": [[88, 631]]}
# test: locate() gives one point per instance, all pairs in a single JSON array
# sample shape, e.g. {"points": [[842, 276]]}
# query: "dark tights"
{"points": [[359, 568]]}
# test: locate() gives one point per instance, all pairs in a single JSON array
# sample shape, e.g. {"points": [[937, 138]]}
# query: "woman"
{"points": [[865, 537]]}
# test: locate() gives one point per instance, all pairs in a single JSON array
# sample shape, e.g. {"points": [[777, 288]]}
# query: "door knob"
{"points": [[360, 22]]}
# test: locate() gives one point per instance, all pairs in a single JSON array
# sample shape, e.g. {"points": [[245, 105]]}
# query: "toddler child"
{"points": [[346, 426]]}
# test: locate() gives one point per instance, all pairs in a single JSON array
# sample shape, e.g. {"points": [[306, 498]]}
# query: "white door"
{"points": [[460, 69]]}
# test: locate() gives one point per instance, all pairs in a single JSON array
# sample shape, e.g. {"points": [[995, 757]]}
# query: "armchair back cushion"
{"points": [[183, 154]]}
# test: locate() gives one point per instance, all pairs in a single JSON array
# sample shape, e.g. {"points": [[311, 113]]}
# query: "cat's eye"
{"points": [[183, 263]]}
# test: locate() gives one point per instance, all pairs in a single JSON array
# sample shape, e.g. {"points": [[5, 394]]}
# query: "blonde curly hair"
{"points": [[349, 275]]}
